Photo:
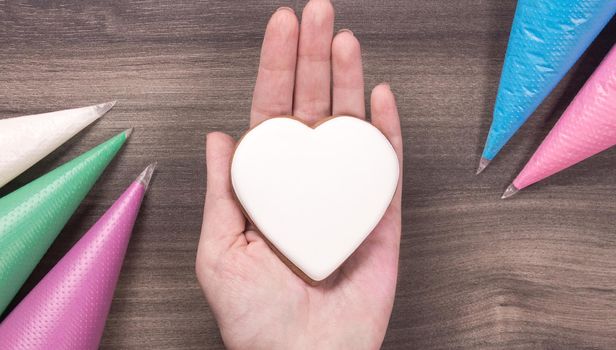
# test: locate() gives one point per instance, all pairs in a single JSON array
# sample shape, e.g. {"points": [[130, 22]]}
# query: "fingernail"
{"points": [[345, 30], [386, 85], [286, 8]]}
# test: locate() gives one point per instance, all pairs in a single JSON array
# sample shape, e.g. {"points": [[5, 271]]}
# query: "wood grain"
{"points": [[476, 272]]}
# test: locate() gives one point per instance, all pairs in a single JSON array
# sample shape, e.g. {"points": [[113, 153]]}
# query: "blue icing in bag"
{"points": [[547, 38]]}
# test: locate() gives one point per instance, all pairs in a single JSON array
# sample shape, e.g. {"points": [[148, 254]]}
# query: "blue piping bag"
{"points": [[547, 38]]}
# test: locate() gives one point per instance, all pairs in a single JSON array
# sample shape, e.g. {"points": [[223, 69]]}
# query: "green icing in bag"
{"points": [[31, 217]]}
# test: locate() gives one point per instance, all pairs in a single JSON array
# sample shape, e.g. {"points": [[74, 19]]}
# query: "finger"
{"points": [[386, 235], [377, 257], [223, 220], [348, 76], [385, 117], [313, 78], [273, 93]]}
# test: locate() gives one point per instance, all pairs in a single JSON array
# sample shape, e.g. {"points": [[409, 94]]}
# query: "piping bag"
{"points": [[547, 38], [28, 139], [69, 306], [587, 127], [32, 216]]}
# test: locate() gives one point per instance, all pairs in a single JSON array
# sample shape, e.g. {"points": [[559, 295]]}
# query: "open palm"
{"points": [[258, 301]]}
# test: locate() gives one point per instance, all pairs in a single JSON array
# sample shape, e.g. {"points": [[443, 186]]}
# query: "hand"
{"points": [[258, 302]]}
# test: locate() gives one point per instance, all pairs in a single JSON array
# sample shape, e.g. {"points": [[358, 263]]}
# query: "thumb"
{"points": [[223, 220]]}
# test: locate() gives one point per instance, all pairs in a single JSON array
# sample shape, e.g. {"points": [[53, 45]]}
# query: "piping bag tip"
{"points": [[103, 108], [128, 132], [145, 177], [483, 163], [510, 191]]}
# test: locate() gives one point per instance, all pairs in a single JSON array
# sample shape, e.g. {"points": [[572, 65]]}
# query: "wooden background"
{"points": [[534, 272]]}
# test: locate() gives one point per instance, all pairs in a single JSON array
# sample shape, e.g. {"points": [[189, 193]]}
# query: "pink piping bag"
{"points": [[587, 127], [68, 308]]}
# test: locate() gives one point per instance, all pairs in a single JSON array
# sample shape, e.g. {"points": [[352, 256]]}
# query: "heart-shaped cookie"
{"points": [[315, 193]]}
